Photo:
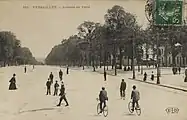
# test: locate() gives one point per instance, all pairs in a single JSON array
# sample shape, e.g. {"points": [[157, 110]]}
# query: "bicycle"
{"points": [[138, 109], [105, 109]]}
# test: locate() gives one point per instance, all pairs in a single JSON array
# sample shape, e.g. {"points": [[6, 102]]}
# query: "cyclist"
{"points": [[60, 74], [135, 96], [122, 88], [102, 98]]}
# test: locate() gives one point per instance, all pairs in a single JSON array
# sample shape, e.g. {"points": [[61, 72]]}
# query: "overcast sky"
{"points": [[41, 29]]}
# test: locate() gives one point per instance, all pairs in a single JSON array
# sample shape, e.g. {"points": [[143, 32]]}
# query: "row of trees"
{"points": [[107, 44], [11, 51]]}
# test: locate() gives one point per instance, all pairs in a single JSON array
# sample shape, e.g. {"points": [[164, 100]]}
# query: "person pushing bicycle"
{"points": [[135, 96], [102, 98]]}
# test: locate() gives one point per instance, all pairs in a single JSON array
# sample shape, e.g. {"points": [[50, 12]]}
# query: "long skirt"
{"points": [[12, 86]]}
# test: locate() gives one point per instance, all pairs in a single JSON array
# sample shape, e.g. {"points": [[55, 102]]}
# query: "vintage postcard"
{"points": [[93, 59]]}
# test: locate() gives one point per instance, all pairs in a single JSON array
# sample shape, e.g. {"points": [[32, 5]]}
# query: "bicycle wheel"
{"points": [[105, 111], [130, 107], [98, 108], [138, 111]]}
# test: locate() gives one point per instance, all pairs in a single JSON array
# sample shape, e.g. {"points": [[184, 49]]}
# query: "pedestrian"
{"points": [[48, 85], [25, 69], [185, 79], [145, 76], [12, 81], [67, 71], [63, 95], [135, 96], [122, 89], [104, 75], [152, 76], [60, 74], [179, 69], [51, 77], [56, 88]]}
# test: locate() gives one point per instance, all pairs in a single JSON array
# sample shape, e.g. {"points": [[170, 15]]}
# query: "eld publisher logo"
{"points": [[172, 110]]}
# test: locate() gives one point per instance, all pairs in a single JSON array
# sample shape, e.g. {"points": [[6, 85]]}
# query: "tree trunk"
{"points": [[173, 56], [93, 62], [100, 59], [131, 63], [120, 58], [166, 55]]}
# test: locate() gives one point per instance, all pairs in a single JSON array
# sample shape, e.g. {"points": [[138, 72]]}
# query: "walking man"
{"points": [[63, 95], [51, 77], [60, 74], [48, 84], [25, 69], [105, 75], [122, 88]]}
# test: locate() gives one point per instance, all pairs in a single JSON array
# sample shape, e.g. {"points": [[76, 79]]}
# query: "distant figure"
{"points": [[152, 76], [60, 74], [33, 67], [51, 77], [128, 69], [104, 75], [67, 71], [179, 69], [56, 88], [25, 69], [63, 95], [12, 81], [145, 76], [125, 69], [185, 79], [122, 88], [48, 85]]}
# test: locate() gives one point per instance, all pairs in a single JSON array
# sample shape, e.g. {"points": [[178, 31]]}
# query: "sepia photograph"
{"points": [[93, 59]]}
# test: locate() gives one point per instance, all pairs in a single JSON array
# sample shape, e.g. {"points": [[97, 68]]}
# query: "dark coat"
{"points": [[103, 95], [123, 86]]}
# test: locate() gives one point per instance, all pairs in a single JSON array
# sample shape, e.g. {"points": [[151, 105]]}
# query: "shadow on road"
{"points": [[36, 110], [129, 114]]}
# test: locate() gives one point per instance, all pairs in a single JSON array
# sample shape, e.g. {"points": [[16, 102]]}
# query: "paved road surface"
{"points": [[29, 102]]}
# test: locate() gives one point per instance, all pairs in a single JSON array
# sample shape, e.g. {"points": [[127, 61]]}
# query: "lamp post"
{"points": [[158, 59], [133, 66]]}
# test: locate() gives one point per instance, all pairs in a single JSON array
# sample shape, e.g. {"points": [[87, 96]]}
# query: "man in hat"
{"points": [[48, 84], [63, 95]]}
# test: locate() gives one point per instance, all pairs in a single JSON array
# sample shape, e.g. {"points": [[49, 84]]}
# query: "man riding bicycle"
{"points": [[102, 98], [135, 96]]}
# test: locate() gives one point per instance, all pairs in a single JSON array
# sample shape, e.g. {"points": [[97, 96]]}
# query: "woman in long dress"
{"points": [[12, 81]]}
